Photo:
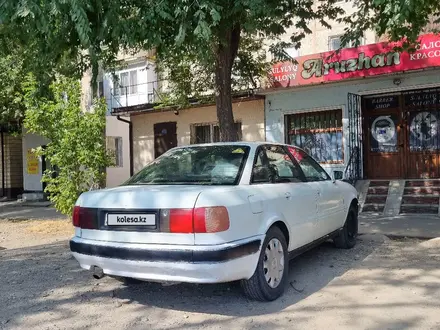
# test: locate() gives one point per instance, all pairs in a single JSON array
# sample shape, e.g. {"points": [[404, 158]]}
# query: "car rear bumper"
{"points": [[175, 263]]}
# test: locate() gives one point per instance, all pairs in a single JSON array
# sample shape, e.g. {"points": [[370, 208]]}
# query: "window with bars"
{"points": [[318, 133], [114, 147], [208, 133]]}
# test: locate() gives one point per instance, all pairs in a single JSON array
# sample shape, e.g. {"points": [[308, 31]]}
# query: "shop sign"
{"points": [[32, 162], [363, 61], [423, 98], [382, 102]]}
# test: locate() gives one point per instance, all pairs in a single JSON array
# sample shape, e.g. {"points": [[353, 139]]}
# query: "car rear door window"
{"points": [[311, 169], [273, 165]]}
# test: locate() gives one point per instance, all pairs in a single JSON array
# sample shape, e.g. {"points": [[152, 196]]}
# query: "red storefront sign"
{"points": [[364, 61]]}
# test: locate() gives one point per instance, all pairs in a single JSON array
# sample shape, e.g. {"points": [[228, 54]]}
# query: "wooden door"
{"points": [[421, 110], [384, 137], [165, 137]]}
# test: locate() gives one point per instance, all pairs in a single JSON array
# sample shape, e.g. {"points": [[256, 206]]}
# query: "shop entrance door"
{"points": [[402, 138], [384, 129], [421, 110]]}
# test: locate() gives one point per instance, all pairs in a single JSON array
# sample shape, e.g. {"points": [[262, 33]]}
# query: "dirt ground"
{"points": [[380, 284]]}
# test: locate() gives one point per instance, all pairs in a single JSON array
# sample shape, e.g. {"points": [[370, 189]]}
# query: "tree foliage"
{"points": [[20, 56], [394, 18], [190, 80], [12, 105], [202, 34], [76, 150]]}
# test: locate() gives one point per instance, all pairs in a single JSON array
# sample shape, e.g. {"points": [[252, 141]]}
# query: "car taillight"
{"points": [[211, 219], [181, 221], [199, 220], [75, 216], [84, 218]]}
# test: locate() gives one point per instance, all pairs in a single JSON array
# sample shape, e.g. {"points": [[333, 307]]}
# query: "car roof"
{"points": [[240, 143]]}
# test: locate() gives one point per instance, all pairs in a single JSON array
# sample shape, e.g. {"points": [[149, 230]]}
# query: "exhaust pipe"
{"points": [[97, 272]]}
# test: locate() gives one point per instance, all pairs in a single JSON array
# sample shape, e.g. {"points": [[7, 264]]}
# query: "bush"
{"points": [[77, 140]]}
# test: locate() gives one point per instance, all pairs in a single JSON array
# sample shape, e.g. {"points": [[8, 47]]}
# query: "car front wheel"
{"points": [[269, 280], [346, 238]]}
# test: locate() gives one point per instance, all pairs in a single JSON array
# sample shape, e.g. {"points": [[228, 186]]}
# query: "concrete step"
{"points": [[419, 209], [422, 183], [394, 197], [376, 199], [378, 190], [373, 208], [379, 183], [422, 195], [422, 191], [420, 200]]}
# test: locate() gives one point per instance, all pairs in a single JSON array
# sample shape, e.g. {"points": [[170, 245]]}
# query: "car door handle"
{"points": [[288, 195]]}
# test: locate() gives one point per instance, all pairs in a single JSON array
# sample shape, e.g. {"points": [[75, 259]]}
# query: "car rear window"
{"points": [[198, 165]]}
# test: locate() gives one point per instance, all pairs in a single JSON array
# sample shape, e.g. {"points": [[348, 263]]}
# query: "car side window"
{"points": [[273, 165], [311, 169], [260, 170]]}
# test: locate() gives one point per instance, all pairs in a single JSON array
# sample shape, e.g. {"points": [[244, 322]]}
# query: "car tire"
{"points": [[346, 238], [259, 287]]}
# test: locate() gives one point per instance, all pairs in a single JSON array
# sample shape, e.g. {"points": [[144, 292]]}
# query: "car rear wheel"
{"points": [[269, 280], [346, 238]]}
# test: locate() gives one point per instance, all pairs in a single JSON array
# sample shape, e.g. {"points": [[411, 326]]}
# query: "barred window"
{"points": [[319, 134], [208, 133]]}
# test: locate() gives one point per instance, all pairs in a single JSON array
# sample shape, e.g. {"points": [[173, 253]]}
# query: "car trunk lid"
{"points": [[132, 214]]}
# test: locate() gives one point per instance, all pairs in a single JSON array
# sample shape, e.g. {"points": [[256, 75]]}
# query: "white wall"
{"points": [[117, 175], [334, 96], [318, 40], [32, 182]]}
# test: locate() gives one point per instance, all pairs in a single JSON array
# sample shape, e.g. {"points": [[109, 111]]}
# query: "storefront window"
{"points": [[319, 134]]}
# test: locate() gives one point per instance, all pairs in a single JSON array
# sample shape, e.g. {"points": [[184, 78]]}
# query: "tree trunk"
{"points": [[225, 56]]}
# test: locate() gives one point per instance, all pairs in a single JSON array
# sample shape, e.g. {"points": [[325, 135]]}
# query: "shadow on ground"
{"points": [[30, 274], [43, 286]]}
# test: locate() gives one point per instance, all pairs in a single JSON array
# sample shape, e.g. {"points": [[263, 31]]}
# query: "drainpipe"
{"points": [[3, 162], [130, 141]]}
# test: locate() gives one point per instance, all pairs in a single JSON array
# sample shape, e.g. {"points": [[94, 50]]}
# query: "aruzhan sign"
{"points": [[364, 61]]}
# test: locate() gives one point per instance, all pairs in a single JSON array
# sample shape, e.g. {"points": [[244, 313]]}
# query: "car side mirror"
{"points": [[337, 175]]}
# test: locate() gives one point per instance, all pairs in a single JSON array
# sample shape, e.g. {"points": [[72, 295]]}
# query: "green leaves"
{"points": [[81, 21], [72, 36], [76, 150], [11, 93], [215, 15]]}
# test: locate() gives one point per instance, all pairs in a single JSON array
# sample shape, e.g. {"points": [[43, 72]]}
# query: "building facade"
{"points": [[156, 131], [131, 85], [367, 112]]}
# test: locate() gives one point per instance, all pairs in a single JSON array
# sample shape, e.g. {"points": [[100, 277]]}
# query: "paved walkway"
{"points": [[14, 210], [419, 226]]}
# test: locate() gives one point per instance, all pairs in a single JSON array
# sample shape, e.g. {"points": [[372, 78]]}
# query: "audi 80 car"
{"points": [[215, 213]]}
